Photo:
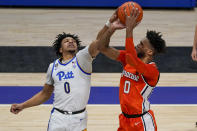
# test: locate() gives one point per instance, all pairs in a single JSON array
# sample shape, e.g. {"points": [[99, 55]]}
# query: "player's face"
{"points": [[144, 48], [68, 44]]}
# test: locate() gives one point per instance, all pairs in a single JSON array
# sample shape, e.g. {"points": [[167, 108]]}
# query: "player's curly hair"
{"points": [[57, 43], [155, 38]]}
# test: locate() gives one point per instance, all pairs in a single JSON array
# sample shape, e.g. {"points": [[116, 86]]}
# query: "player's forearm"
{"points": [[101, 32], [129, 46], [104, 40], [195, 39], [37, 99], [129, 32]]}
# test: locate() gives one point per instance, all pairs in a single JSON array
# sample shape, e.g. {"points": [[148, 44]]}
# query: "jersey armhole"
{"points": [[148, 83], [81, 68], [53, 68]]}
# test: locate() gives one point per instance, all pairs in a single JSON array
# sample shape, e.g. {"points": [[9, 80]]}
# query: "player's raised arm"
{"points": [[131, 23], [103, 41], [103, 36], [194, 50]]}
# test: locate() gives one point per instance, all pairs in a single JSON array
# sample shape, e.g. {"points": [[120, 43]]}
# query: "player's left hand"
{"points": [[194, 54], [117, 25], [113, 17]]}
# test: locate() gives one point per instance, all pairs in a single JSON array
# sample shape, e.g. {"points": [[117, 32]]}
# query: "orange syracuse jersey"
{"points": [[135, 88]]}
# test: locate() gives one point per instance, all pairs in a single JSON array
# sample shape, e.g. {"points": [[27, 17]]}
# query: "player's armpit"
{"points": [[121, 57]]}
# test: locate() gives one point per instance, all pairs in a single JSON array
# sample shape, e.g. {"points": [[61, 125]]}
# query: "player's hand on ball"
{"points": [[16, 108], [117, 25], [131, 20], [113, 17]]}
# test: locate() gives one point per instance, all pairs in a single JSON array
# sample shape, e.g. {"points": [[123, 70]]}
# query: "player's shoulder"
{"points": [[153, 64], [85, 49], [53, 63]]}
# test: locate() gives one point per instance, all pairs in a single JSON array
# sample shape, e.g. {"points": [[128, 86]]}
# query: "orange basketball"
{"points": [[128, 6]]}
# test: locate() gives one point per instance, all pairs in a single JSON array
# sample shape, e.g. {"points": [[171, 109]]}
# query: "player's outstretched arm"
{"points": [[104, 35], [194, 50], [37, 99], [107, 25], [103, 42], [131, 23]]}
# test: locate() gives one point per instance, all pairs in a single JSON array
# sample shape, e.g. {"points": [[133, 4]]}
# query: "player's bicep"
{"points": [[49, 79], [111, 52]]}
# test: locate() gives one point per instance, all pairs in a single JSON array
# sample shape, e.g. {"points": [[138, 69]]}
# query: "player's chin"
{"points": [[72, 49]]}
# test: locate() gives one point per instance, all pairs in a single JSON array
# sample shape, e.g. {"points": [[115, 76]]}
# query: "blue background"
{"points": [[104, 95], [99, 3]]}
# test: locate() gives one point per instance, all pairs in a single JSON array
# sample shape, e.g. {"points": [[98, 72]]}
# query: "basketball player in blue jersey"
{"points": [[69, 79]]}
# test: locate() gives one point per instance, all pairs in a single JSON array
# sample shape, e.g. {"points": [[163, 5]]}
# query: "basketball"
{"points": [[128, 6]]}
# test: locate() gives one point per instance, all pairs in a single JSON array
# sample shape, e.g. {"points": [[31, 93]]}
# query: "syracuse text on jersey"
{"points": [[130, 75]]}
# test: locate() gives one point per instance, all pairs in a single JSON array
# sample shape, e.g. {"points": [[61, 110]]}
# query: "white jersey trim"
{"points": [[53, 68], [82, 69]]}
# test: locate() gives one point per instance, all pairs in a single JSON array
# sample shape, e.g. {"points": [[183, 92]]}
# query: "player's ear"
{"points": [[150, 52], [60, 50]]}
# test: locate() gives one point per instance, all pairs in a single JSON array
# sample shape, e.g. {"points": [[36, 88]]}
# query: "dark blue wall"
{"points": [[99, 3]]}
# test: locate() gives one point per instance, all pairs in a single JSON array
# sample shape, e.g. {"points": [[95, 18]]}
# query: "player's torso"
{"points": [[71, 85], [133, 92]]}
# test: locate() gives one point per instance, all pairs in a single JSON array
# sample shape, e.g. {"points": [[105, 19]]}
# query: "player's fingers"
{"points": [[194, 57], [133, 10], [11, 110], [12, 107], [137, 13], [125, 11]]}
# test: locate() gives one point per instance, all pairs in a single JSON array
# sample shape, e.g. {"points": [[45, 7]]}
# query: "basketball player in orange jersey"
{"points": [[139, 77], [194, 50]]}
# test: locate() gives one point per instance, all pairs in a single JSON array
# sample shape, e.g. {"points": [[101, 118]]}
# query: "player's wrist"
{"points": [[108, 23]]}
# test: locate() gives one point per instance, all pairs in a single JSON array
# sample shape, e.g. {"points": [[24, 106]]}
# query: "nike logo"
{"points": [[137, 123]]}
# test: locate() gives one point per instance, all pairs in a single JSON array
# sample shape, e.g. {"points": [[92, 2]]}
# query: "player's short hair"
{"points": [[60, 37], [155, 38]]}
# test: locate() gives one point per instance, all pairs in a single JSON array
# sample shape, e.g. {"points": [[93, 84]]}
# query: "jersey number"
{"points": [[127, 86], [67, 87]]}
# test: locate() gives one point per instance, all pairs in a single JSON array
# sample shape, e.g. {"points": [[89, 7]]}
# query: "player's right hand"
{"points": [[131, 20], [16, 108]]}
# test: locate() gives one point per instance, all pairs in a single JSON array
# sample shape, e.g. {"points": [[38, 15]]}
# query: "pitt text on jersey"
{"points": [[130, 75], [62, 75]]}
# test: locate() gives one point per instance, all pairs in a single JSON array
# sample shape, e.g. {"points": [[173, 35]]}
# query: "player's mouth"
{"points": [[71, 45]]}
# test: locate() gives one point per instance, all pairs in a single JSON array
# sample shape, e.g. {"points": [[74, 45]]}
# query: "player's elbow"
{"points": [[102, 48]]}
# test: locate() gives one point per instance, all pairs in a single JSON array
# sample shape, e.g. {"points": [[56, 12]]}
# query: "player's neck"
{"points": [[68, 55], [147, 59]]}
